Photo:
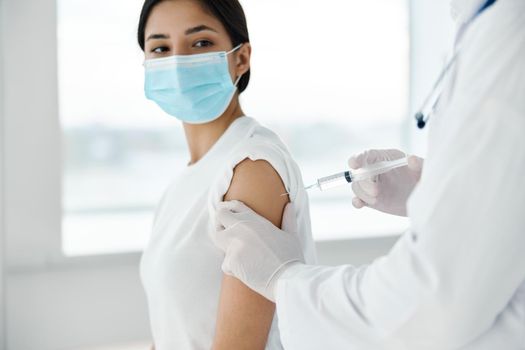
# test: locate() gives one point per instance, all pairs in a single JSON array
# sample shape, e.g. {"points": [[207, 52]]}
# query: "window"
{"points": [[331, 80]]}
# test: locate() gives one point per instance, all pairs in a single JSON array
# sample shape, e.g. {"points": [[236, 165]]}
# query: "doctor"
{"points": [[456, 279]]}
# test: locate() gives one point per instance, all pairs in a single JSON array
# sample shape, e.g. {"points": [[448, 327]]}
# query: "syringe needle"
{"points": [[315, 185], [311, 186]]}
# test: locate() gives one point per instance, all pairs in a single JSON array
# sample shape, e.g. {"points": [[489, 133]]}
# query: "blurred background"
{"points": [[329, 89], [85, 157]]}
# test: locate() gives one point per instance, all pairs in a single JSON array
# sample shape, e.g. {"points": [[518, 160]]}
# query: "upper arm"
{"points": [[244, 317], [259, 186]]}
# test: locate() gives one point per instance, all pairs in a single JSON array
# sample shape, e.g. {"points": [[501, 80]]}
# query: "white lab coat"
{"points": [[456, 280]]}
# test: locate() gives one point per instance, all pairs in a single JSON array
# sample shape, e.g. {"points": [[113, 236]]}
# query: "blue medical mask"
{"points": [[196, 89]]}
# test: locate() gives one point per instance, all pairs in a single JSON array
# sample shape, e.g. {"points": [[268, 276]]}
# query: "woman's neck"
{"points": [[202, 137]]}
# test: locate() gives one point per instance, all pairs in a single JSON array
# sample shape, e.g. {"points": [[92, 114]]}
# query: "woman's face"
{"points": [[183, 27]]}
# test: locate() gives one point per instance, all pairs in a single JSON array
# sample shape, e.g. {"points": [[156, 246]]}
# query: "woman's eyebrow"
{"points": [[158, 36], [199, 28], [189, 31]]}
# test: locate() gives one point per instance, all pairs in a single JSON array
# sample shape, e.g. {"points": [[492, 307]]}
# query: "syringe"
{"points": [[349, 176]]}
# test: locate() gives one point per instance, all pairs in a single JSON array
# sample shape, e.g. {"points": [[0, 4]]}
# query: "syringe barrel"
{"points": [[368, 172], [335, 180]]}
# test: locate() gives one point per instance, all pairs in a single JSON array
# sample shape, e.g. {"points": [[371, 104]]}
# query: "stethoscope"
{"points": [[430, 102]]}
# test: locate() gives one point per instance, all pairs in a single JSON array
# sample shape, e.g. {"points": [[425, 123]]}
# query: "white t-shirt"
{"points": [[181, 267]]}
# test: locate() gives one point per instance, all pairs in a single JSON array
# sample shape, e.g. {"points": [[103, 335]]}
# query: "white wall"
{"points": [[79, 306], [64, 304]]}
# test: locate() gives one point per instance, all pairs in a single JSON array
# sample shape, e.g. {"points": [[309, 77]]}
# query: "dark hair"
{"points": [[228, 12]]}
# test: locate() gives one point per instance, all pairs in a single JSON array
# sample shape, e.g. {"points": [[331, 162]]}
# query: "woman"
{"points": [[197, 63]]}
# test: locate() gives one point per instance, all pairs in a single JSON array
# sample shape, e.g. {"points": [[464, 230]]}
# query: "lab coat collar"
{"points": [[463, 10]]}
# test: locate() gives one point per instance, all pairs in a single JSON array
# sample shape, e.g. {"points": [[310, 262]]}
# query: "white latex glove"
{"points": [[256, 251], [387, 192]]}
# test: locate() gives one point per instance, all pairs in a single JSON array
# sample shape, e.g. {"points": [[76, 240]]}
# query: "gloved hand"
{"points": [[387, 192], [257, 252]]}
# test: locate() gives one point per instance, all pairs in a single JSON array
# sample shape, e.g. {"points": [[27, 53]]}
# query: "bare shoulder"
{"points": [[258, 185]]}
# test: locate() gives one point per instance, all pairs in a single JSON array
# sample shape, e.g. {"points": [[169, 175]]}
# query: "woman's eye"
{"points": [[160, 49], [203, 43]]}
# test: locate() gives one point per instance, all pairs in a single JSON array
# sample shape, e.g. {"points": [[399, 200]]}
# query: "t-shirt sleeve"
{"points": [[254, 150]]}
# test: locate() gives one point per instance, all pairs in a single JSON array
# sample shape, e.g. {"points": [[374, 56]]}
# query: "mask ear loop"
{"points": [[237, 81], [234, 49], [229, 52]]}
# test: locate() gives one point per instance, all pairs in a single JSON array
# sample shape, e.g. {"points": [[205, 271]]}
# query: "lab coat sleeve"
{"points": [[446, 280]]}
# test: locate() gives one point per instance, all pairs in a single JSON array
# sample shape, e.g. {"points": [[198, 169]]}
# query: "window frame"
{"points": [[3, 341], [32, 163]]}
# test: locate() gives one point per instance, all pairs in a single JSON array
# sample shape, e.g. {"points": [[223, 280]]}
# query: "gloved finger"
{"points": [[362, 159], [366, 197], [359, 160], [221, 239], [227, 214], [369, 186], [355, 162], [226, 266], [232, 213], [370, 157], [234, 206], [358, 203], [415, 163], [379, 155], [229, 236], [289, 222]]}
